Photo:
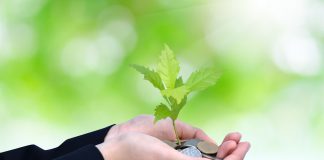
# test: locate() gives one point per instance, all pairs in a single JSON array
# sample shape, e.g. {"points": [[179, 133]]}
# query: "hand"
{"points": [[120, 138], [139, 146], [163, 129], [139, 139], [232, 148]]}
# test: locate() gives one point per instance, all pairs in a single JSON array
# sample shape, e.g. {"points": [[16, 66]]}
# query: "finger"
{"points": [[234, 136], [240, 152], [200, 134], [186, 131], [226, 149]]}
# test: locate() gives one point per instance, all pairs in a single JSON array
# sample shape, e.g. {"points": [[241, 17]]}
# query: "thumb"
{"points": [[200, 134], [188, 132]]}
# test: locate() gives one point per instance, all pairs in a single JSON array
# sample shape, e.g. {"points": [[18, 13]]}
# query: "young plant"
{"points": [[172, 87]]}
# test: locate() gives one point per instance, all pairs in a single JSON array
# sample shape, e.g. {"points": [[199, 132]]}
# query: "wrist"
{"points": [[114, 130], [108, 149], [103, 150]]}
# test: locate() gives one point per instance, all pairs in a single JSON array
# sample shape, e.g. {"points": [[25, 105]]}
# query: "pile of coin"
{"points": [[195, 148]]}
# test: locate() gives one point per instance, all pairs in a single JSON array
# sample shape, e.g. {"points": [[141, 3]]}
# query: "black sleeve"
{"points": [[89, 152], [82, 146]]}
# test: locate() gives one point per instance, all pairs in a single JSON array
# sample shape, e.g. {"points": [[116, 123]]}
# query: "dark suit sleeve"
{"points": [[81, 148], [89, 152]]}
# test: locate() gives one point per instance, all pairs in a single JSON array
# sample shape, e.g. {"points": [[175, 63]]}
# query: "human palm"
{"points": [[143, 134]]}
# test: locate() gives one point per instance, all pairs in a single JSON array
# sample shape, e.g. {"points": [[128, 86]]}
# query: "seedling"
{"points": [[172, 87]]}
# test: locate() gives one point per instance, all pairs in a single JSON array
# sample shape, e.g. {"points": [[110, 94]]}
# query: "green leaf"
{"points": [[168, 68], [176, 108], [173, 89], [177, 93], [202, 79], [179, 82], [175, 105], [161, 112], [150, 75]]}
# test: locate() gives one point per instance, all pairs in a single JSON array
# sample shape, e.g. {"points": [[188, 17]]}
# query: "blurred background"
{"points": [[64, 69]]}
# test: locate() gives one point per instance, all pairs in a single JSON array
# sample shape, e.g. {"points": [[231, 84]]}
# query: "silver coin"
{"points": [[192, 152]]}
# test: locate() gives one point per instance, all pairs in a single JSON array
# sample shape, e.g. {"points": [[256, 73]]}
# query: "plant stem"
{"points": [[176, 132], [167, 99]]}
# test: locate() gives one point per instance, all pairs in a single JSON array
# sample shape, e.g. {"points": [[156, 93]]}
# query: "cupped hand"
{"points": [[162, 129], [139, 146], [139, 137]]}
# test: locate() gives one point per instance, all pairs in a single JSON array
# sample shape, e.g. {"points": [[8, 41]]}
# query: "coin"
{"points": [[207, 147], [192, 142], [192, 152], [208, 156]]}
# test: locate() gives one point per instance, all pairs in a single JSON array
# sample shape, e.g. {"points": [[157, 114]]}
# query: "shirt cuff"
{"points": [[89, 152]]}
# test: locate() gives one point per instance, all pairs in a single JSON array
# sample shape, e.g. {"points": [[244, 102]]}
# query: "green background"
{"points": [[64, 68]]}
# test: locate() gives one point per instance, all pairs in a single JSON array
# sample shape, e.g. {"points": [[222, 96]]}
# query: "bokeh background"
{"points": [[64, 69]]}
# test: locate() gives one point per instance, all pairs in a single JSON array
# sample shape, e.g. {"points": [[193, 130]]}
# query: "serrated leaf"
{"points": [[175, 105], [177, 93], [161, 112], [150, 75], [168, 68], [202, 79], [176, 108]]}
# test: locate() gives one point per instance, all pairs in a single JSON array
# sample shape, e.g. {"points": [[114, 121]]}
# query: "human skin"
{"points": [[140, 139]]}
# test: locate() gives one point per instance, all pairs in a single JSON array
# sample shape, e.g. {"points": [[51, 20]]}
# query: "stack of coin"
{"points": [[195, 148]]}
